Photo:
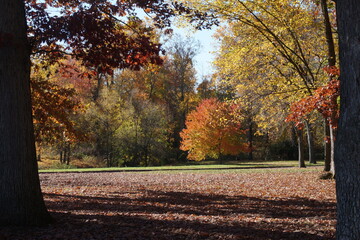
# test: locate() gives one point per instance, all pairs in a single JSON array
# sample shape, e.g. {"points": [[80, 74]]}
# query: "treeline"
{"points": [[125, 118], [271, 66]]}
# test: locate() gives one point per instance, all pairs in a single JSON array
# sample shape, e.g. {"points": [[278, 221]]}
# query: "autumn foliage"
{"points": [[324, 100], [53, 106], [212, 130]]}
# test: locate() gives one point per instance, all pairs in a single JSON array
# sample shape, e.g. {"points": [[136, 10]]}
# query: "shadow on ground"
{"points": [[180, 215]]}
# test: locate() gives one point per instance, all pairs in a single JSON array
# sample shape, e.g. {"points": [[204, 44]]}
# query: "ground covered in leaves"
{"points": [[185, 205]]}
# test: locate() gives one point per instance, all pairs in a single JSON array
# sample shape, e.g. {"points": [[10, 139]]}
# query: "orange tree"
{"points": [[212, 130]]}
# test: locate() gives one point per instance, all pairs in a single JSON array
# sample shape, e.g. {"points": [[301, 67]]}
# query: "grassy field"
{"points": [[208, 166]]}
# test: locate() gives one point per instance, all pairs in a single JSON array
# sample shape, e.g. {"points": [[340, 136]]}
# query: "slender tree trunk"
{"points": [[300, 141], [21, 201], [68, 153], [99, 87], [328, 34], [327, 150], [329, 145], [310, 140], [39, 148], [347, 145], [332, 144], [61, 156], [250, 135]]}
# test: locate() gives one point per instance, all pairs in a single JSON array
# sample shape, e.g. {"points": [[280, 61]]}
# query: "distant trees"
{"points": [[103, 34], [130, 118], [53, 108], [273, 54], [125, 132], [213, 130]]}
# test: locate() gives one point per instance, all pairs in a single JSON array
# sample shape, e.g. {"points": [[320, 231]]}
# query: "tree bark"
{"points": [[21, 201], [310, 140], [327, 147], [328, 34], [250, 135], [299, 135], [347, 145]]}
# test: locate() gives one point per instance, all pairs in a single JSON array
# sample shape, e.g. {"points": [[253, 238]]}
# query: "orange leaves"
{"points": [[52, 107], [332, 71], [324, 100], [213, 129]]}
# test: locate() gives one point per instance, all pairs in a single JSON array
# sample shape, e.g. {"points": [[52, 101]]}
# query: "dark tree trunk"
{"points": [[68, 153], [61, 156], [21, 201], [250, 135], [310, 140], [328, 34], [327, 147], [347, 145], [300, 141]]}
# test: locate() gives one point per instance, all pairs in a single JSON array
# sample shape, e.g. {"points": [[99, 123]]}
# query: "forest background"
{"points": [[271, 66]]}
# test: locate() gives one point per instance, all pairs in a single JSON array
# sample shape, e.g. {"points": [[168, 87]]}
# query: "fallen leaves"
{"points": [[271, 205]]}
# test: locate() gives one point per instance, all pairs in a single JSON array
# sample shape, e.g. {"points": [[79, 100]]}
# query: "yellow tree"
{"points": [[273, 52]]}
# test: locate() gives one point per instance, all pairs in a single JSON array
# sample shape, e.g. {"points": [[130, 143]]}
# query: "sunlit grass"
{"points": [[205, 167]]}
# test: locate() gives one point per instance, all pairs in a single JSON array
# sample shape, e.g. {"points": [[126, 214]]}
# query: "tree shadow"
{"points": [[182, 215], [162, 202]]}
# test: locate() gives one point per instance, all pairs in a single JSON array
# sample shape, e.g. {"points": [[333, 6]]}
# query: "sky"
{"points": [[208, 44]]}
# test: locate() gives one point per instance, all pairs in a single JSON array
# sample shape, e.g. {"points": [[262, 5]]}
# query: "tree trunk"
{"points": [[300, 141], [61, 156], [327, 150], [328, 34], [332, 144], [21, 201], [329, 145], [310, 140], [68, 153], [347, 145], [250, 135]]}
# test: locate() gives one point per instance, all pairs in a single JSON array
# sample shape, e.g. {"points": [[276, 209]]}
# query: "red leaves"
{"points": [[97, 32], [92, 32], [52, 109], [324, 100], [213, 129]]}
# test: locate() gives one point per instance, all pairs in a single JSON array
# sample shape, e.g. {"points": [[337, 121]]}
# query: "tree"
{"points": [[284, 50], [180, 83], [92, 31], [213, 130], [53, 108], [347, 145], [324, 101], [21, 201]]}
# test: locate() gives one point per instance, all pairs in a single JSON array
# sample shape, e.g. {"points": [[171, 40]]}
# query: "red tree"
{"points": [[212, 130], [324, 101]]}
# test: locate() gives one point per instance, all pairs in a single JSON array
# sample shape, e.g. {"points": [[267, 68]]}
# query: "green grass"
{"points": [[202, 167]]}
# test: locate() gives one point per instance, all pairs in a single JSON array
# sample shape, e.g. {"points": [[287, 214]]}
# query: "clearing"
{"points": [[235, 204]]}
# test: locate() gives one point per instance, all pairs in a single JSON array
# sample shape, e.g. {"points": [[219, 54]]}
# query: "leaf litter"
{"points": [[185, 205]]}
